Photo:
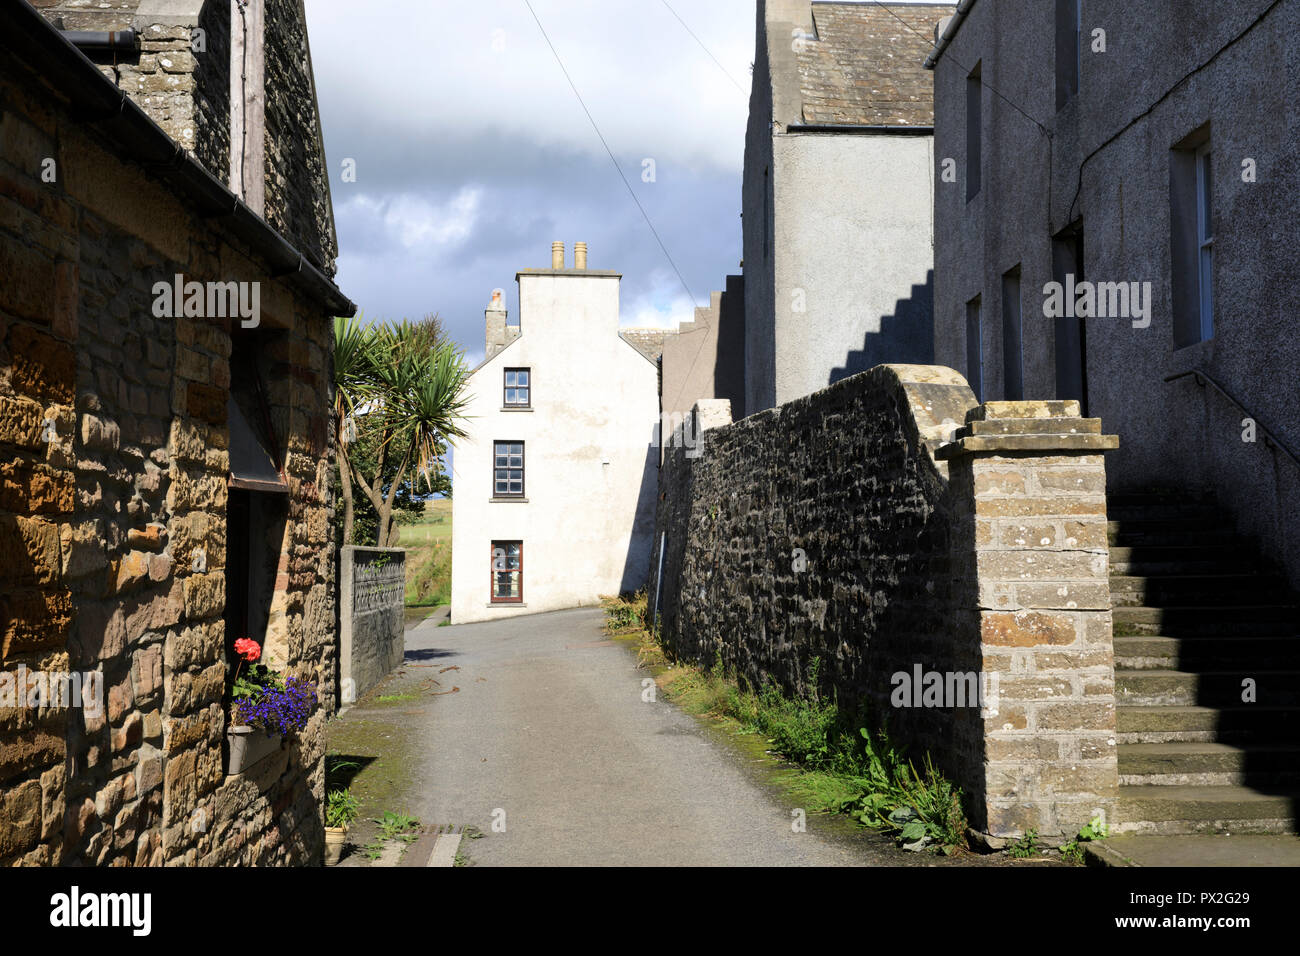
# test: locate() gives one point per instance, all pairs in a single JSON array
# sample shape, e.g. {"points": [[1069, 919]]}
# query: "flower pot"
{"points": [[248, 745], [335, 839]]}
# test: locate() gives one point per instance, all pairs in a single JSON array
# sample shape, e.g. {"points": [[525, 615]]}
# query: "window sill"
{"points": [[1189, 358], [514, 498], [516, 408], [505, 604]]}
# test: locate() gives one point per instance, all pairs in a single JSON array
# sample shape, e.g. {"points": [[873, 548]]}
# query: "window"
{"points": [[974, 349], [1069, 49], [974, 123], [1070, 332], [1191, 218], [518, 388], [508, 469], [507, 573], [1205, 239], [1012, 338]]}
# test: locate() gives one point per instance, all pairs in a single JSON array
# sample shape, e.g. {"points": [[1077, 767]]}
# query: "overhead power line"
{"points": [[630, 191], [704, 48]]}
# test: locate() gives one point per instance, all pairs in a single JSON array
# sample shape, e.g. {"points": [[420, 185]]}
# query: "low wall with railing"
{"points": [[372, 617]]}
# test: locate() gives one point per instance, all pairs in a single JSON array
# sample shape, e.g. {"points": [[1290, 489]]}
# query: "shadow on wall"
{"points": [[636, 566], [729, 366], [905, 338]]}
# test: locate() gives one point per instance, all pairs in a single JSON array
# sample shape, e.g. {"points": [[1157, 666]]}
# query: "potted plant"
{"points": [[264, 708], [341, 809]]}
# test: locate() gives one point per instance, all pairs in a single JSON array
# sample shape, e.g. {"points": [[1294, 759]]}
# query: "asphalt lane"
{"points": [[548, 748]]}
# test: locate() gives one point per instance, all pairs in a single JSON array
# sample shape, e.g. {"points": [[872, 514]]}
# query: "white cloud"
{"points": [[663, 306], [475, 66], [415, 221]]}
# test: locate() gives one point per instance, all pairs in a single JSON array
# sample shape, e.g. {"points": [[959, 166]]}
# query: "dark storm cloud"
{"points": [[472, 154]]}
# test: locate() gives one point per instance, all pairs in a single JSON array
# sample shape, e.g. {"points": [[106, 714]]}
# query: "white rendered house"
{"points": [[553, 490]]}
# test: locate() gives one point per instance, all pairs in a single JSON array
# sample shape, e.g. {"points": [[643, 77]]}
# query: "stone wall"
{"points": [[889, 523], [297, 183], [113, 512], [187, 91], [372, 617]]}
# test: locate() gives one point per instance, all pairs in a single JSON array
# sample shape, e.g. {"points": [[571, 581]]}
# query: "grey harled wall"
{"points": [[1177, 66], [372, 617]]}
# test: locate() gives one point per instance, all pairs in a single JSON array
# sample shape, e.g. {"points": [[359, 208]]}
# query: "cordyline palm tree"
{"points": [[354, 359], [403, 386]]}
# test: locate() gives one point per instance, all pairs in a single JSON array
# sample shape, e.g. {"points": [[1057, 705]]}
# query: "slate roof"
{"points": [[864, 68], [649, 342]]}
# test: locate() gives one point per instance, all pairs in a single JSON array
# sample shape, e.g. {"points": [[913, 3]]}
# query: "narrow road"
{"points": [[549, 726]]}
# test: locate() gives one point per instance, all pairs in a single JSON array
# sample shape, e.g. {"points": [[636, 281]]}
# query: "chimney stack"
{"points": [[496, 324], [580, 255], [557, 255]]}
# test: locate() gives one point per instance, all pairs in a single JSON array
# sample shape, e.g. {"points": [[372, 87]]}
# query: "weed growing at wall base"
{"points": [[842, 766]]}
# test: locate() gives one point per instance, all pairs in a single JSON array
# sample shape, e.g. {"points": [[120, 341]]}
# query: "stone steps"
{"points": [[1208, 763], [1261, 619], [1195, 723], [1187, 589], [1163, 511], [1202, 653], [1204, 809], [1149, 560], [1194, 617], [1161, 688]]}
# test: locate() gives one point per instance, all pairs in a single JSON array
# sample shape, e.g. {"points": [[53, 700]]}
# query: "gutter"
{"points": [[28, 37], [94, 40], [852, 129], [950, 30]]}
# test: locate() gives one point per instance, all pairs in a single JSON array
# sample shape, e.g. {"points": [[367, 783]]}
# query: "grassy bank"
{"points": [[428, 556], [842, 763]]}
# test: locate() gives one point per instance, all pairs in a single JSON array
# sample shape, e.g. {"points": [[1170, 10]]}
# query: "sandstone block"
{"points": [[43, 366], [1027, 628], [20, 808]]}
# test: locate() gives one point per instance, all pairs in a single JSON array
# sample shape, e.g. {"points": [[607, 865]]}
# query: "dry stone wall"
{"points": [[889, 525]]}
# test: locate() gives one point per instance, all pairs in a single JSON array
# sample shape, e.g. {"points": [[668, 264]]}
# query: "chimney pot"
{"points": [[557, 255], [580, 255]]}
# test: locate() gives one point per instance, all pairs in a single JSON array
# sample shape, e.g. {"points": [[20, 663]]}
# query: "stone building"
{"points": [[165, 387], [1117, 229], [836, 195], [555, 485]]}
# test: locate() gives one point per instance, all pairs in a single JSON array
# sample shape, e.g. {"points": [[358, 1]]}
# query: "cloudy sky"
{"points": [[473, 154]]}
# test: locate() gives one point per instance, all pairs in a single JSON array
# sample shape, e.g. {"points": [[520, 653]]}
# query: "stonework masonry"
{"points": [[372, 617], [114, 466], [890, 521], [186, 89]]}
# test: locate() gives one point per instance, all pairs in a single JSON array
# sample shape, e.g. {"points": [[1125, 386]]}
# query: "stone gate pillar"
{"points": [[1031, 565]]}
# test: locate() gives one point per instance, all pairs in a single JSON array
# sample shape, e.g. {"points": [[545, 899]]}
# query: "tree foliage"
{"points": [[399, 400]]}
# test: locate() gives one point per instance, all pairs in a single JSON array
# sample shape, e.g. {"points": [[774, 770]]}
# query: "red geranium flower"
{"points": [[248, 649]]}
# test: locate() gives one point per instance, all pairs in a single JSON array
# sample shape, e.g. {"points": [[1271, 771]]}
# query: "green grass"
{"points": [[428, 556], [841, 762]]}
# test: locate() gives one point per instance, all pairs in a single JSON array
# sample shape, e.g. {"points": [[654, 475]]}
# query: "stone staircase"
{"points": [[1195, 615]]}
